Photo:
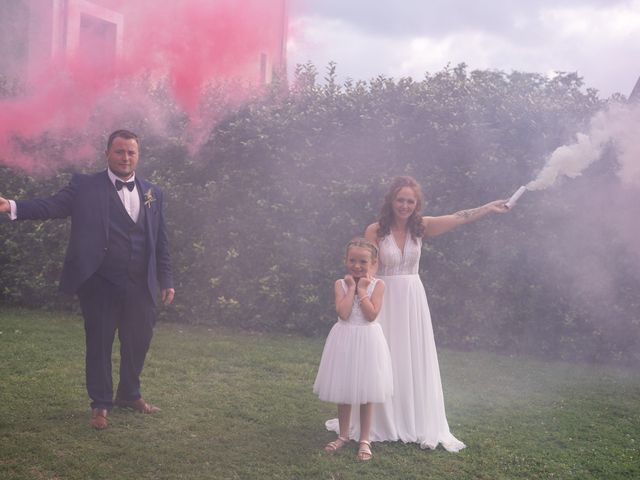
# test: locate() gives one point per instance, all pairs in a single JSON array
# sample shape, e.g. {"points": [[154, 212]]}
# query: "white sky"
{"points": [[599, 39]]}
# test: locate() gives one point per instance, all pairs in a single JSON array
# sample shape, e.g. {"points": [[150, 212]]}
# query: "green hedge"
{"points": [[259, 215]]}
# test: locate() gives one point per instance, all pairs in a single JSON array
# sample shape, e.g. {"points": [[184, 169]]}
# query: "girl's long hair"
{"points": [[414, 223]]}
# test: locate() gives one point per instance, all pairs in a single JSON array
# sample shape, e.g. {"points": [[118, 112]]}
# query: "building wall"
{"points": [[34, 32], [14, 38], [635, 93]]}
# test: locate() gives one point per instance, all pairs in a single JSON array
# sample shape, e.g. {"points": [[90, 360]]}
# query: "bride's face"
{"points": [[405, 202]]}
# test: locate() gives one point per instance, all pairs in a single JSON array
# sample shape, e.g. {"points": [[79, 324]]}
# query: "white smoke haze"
{"points": [[568, 161], [618, 126], [627, 143]]}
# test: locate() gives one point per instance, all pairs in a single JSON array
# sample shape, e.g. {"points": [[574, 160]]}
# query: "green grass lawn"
{"points": [[240, 406]]}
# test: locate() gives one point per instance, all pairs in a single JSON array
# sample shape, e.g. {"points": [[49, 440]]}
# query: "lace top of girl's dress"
{"points": [[395, 261], [357, 317]]}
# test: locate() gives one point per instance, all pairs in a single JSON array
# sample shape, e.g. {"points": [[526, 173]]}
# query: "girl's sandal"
{"points": [[336, 445], [364, 452]]}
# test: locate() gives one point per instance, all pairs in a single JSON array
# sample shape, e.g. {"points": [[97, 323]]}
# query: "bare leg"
{"points": [[344, 417], [364, 450], [366, 411]]}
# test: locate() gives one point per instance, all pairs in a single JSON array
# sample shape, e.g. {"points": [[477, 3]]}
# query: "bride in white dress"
{"points": [[416, 412]]}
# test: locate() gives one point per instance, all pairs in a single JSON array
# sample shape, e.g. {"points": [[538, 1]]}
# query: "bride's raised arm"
{"points": [[434, 226]]}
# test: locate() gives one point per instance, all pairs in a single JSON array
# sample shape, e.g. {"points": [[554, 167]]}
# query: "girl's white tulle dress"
{"points": [[415, 413], [355, 366]]}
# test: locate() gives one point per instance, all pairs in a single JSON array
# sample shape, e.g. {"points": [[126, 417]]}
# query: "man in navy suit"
{"points": [[118, 264]]}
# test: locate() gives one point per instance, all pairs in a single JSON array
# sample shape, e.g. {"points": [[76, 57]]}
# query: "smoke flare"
{"points": [[617, 125]]}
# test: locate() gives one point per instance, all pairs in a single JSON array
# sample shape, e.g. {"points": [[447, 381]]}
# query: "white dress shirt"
{"points": [[130, 199]]}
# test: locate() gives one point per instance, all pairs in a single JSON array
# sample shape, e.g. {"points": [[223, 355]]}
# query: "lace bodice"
{"points": [[393, 261], [357, 317]]}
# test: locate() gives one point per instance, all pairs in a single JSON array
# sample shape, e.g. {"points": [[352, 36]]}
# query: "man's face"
{"points": [[122, 157]]}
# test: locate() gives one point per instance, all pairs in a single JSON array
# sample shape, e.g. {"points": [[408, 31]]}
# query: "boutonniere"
{"points": [[148, 198]]}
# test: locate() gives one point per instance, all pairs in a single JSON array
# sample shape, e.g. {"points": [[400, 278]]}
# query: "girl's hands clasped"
{"points": [[350, 281], [363, 285]]}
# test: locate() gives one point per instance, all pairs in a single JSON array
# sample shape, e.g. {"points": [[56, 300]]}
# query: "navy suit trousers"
{"points": [[107, 308]]}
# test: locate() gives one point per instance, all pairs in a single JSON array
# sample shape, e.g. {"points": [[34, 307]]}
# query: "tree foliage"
{"points": [[260, 214]]}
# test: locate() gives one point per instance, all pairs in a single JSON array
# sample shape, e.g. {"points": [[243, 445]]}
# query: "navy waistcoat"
{"points": [[126, 255]]}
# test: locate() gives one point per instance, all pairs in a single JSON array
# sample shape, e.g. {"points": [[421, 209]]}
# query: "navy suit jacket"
{"points": [[86, 201]]}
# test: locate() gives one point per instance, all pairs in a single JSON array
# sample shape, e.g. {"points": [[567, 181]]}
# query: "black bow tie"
{"points": [[129, 185]]}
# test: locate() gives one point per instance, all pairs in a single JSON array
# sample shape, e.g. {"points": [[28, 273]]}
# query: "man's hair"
{"points": [[126, 134]]}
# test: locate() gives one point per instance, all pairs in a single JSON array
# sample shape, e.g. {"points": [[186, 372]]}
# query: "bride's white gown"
{"points": [[416, 411]]}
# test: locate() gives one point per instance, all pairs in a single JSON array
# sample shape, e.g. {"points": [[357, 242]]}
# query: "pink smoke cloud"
{"points": [[191, 44]]}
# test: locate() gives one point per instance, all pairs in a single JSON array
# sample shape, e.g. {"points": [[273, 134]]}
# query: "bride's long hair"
{"points": [[414, 222]]}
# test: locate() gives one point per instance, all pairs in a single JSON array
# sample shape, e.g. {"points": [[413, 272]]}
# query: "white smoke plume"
{"points": [[618, 125]]}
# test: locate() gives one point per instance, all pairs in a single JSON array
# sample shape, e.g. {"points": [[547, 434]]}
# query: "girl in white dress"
{"points": [[416, 411], [355, 368]]}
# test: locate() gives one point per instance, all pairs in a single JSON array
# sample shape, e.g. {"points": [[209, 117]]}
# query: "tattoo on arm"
{"points": [[472, 212]]}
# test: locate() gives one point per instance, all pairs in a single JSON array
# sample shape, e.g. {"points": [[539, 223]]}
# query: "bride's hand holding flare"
{"points": [[498, 206]]}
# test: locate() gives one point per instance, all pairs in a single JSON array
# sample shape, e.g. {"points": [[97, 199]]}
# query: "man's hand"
{"points": [[5, 206], [167, 295]]}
